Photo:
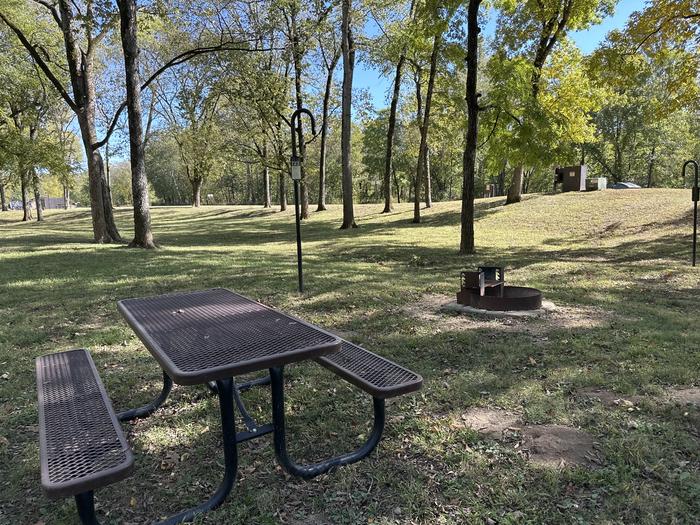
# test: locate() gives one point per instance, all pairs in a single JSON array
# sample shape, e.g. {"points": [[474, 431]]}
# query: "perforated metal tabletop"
{"points": [[214, 334]]}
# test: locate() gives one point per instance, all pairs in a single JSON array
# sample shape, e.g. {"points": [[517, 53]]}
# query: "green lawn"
{"points": [[615, 263]]}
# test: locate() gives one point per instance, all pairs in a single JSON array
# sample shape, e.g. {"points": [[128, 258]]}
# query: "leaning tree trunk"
{"points": [[515, 192], [348, 50], [143, 237], [324, 136], [103, 226], [37, 196], [466, 240], [391, 131], [423, 149]]}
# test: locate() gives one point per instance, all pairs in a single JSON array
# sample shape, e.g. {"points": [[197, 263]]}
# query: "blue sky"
{"points": [[368, 78]]}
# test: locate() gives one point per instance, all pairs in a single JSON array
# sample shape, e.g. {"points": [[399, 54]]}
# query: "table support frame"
{"points": [[148, 409], [315, 469]]}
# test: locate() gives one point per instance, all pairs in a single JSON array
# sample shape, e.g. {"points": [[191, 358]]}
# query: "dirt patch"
{"points": [[686, 396], [429, 309], [558, 446], [608, 398], [311, 519], [551, 446], [490, 422]]}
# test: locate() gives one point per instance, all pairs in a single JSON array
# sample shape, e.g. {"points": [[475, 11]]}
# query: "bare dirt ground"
{"points": [[686, 396], [552, 446], [429, 309], [608, 398]]}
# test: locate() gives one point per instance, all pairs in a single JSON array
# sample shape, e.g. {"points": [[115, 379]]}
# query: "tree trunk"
{"points": [[283, 192], [391, 131], [267, 200], [197, 191], [466, 241], [348, 49], [26, 204], [324, 136], [398, 186], [515, 191], [423, 150], [143, 237], [66, 198], [428, 181], [3, 198], [650, 168], [37, 196]]}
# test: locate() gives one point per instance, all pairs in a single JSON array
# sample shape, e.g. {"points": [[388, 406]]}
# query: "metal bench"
{"points": [[81, 445], [374, 374]]}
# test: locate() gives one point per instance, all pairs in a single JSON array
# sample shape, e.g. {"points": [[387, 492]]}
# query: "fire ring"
{"points": [[485, 289], [513, 298]]}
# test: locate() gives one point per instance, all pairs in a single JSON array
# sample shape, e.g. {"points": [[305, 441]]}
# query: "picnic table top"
{"points": [[214, 334]]}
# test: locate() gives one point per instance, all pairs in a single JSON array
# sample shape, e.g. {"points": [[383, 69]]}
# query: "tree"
{"points": [[466, 242], [143, 236], [29, 143], [188, 100], [348, 50], [645, 120], [397, 37], [330, 52], [82, 32], [424, 126], [530, 32]]}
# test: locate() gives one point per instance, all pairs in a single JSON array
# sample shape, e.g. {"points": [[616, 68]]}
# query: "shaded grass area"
{"points": [[616, 263]]}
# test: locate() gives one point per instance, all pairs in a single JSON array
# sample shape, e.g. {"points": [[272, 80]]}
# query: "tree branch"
{"points": [[40, 62], [52, 8], [176, 61]]}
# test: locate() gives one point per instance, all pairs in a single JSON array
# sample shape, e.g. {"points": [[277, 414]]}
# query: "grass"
{"points": [[615, 263]]}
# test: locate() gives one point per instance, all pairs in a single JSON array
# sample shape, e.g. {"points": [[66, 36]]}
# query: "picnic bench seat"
{"points": [[81, 445], [374, 374]]}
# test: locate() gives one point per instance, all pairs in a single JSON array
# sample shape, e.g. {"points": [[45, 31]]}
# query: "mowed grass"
{"points": [[616, 263]]}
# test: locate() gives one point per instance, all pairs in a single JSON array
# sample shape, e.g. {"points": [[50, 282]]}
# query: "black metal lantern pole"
{"points": [[295, 164], [696, 198]]}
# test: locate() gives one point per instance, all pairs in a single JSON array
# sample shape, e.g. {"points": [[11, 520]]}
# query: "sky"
{"points": [[367, 78]]}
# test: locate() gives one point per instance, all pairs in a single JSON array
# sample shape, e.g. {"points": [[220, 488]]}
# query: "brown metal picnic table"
{"points": [[204, 337], [210, 336]]}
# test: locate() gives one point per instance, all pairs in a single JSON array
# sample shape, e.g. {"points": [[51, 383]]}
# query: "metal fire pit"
{"points": [[485, 289]]}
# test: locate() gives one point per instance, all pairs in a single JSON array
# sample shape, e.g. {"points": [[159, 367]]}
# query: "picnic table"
{"points": [[204, 338]]}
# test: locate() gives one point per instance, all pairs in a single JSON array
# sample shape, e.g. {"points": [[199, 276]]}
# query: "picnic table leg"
{"points": [[86, 508], [314, 469], [148, 409], [228, 430]]}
